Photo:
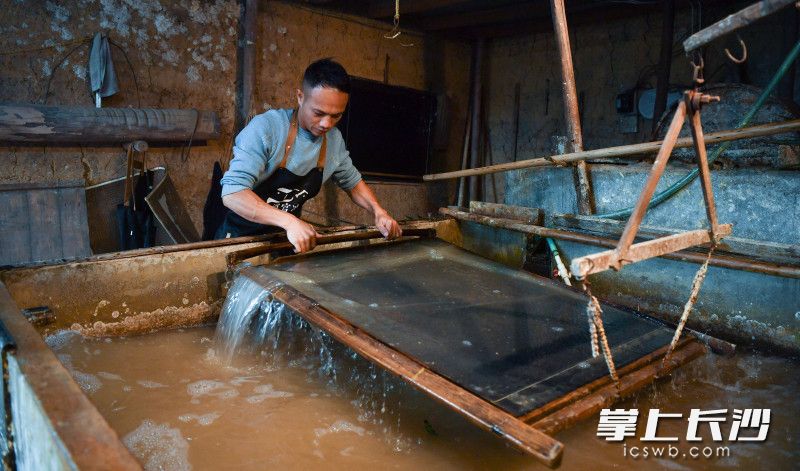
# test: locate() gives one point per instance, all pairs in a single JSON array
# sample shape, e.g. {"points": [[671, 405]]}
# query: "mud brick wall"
{"points": [[183, 54]]}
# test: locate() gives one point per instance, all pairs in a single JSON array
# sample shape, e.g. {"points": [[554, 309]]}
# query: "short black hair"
{"points": [[327, 73]]}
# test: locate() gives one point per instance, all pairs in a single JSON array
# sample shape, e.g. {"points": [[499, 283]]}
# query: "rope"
{"points": [[598, 333], [395, 32], [699, 277], [592, 329]]}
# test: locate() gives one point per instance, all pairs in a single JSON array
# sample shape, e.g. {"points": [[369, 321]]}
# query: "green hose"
{"points": [[683, 182]]}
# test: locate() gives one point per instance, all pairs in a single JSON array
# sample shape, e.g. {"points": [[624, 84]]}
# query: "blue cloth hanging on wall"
{"points": [[101, 67]]}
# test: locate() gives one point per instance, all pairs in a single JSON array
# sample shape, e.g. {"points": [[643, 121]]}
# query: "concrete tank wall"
{"points": [[748, 308]]}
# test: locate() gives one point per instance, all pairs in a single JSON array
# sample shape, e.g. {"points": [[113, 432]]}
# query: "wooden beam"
{"points": [[611, 259], [234, 258], [733, 263], [486, 415], [504, 14], [784, 254], [532, 216], [625, 151], [513, 18], [733, 22], [609, 394], [385, 8], [589, 388], [68, 125]]}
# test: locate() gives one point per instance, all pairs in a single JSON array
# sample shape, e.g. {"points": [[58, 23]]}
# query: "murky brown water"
{"points": [[177, 406]]}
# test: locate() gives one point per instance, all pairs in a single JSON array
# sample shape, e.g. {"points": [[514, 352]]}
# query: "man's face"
{"points": [[320, 108]]}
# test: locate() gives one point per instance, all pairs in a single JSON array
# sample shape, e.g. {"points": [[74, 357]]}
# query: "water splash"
{"points": [[252, 321], [241, 305]]}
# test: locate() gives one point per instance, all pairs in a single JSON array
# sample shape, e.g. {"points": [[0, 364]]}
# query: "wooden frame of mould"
{"points": [[529, 432], [626, 252]]}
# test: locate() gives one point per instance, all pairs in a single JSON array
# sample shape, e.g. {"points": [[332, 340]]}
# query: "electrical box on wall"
{"points": [[628, 123], [625, 102]]}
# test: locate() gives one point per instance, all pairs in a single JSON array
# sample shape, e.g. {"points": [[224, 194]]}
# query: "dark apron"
{"points": [[283, 189]]}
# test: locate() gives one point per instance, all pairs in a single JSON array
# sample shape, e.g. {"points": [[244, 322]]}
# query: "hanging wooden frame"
{"points": [[626, 251]]}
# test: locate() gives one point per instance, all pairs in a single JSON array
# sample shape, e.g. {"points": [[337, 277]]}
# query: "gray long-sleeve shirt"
{"points": [[258, 150]]}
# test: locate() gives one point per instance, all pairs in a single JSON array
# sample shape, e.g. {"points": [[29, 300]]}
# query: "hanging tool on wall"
{"points": [[135, 222]]}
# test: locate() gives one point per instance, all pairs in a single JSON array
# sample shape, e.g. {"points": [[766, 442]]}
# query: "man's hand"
{"points": [[301, 234], [387, 225]]}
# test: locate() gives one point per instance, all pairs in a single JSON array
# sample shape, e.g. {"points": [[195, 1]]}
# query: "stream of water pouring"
{"points": [[253, 321]]}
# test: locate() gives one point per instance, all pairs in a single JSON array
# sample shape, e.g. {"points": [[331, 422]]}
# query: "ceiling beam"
{"points": [[580, 15], [506, 14], [385, 8]]}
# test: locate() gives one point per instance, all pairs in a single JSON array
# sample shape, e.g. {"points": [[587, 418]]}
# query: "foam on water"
{"points": [[150, 384], [159, 447], [88, 382], [210, 387], [204, 420], [266, 391], [298, 408], [109, 376], [338, 427]]}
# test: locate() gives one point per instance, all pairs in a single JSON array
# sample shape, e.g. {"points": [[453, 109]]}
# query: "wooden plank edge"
{"points": [[88, 440], [533, 216], [208, 244], [589, 388], [610, 259], [541, 446], [766, 251], [608, 395]]}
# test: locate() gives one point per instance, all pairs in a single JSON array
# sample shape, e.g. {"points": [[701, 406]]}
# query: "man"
{"points": [[282, 157]]}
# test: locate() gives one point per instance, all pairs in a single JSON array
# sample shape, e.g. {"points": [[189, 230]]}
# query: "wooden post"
{"points": [[664, 60], [571, 114], [790, 30], [461, 199], [476, 92]]}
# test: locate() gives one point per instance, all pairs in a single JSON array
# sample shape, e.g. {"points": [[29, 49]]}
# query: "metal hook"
{"points": [[697, 70], [395, 32], [744, 52]]}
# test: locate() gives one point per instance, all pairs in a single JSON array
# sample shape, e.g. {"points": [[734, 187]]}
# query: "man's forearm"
{"points": [[248, 205], [362, 195]]}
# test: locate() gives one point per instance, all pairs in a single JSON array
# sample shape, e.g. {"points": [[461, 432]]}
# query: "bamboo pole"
{"points": [[476, 90], [623, 151], [733, 22], [571, 112]]}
